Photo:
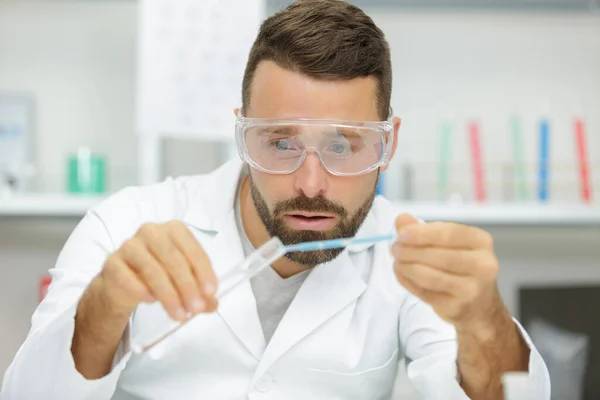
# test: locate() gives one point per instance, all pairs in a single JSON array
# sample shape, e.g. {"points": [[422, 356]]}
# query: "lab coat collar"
{"points": [[238, 307], [211, 209], [211, 203]]}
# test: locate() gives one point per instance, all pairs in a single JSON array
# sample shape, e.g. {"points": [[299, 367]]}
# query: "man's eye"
{"points": [[340, 148], [282, 144]]}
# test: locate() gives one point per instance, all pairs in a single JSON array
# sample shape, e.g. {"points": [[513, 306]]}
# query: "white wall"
{"points": [[78, 59]]}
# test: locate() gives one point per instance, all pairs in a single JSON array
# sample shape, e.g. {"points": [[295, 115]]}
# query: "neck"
{"points": [[258, 235]]}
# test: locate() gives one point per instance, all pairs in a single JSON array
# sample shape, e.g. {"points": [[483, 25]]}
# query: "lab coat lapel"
{"points": [[327, 290], [212, 210], [238, 307]]}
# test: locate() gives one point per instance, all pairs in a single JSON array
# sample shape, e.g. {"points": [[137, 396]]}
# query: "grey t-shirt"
{"points": [[273, 293]]}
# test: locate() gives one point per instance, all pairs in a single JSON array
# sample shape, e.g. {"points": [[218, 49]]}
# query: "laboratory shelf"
{"points": [[506, 214], [47, 205], [71, 206]]}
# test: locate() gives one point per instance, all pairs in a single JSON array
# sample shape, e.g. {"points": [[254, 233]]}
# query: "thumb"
{"points": [[405, 220]]}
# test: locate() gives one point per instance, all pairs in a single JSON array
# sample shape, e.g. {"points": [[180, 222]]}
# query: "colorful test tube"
{"points": [[519, 158], [444, 164], [476, 159], [584, 174], [544, 168]]}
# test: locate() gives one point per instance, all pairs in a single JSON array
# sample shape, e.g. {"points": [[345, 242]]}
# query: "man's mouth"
{"points": [[308, 221]]}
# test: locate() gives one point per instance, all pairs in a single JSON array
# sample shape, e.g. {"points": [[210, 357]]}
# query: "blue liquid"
{"points": [[544, 171], [337, 243]]}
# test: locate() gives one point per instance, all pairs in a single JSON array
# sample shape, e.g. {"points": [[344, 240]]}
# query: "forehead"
{"points": [[277, 92]]}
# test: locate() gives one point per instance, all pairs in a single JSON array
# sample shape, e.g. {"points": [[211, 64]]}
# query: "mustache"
{"points": [[319, 204]]}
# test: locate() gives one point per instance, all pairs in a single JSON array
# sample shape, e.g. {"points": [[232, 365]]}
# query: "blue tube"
{"points": [[544, 169], [337, 243]]}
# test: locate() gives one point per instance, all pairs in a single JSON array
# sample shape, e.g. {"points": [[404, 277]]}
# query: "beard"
{"points": [[347, 226]]}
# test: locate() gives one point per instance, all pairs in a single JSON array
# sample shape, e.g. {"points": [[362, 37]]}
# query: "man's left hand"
{"points": [[451, 267]]}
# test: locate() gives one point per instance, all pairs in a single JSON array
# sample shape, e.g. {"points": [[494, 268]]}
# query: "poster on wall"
{"points": [[191, 60]]}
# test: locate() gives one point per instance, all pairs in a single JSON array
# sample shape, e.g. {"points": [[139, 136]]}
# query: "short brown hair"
{"points": [[324, 39]]}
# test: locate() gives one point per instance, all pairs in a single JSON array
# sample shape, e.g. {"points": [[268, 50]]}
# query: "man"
{"points": [[314, 132]]}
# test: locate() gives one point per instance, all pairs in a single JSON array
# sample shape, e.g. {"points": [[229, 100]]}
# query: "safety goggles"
{"points": [[280, 146]]}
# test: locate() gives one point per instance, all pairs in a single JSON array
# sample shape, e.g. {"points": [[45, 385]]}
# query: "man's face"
{"points": [[310, 203]]}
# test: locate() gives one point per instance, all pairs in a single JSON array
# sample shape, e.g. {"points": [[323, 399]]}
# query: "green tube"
{"points": [[444, 163], [519, 158]]}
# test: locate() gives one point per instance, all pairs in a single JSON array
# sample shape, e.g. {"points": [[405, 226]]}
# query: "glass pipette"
{"points": [[337, 243], [263, 257]]}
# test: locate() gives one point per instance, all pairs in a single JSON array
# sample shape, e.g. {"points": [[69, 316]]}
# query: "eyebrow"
{"points": [[291, 130], [281, 130], [347, 133]]}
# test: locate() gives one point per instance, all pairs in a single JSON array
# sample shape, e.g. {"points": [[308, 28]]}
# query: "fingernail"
{"points": [[198, 305], [402, 236], [209, 288], [180, 314]]}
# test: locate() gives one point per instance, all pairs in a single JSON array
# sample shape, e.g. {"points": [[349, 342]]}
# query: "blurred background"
{"points": [[500, 101]]}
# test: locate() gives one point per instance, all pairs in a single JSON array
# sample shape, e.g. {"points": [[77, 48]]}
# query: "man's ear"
{"points": [[397, 123]]}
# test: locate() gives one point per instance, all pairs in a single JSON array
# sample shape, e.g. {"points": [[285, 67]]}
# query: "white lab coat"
{"points": [[341, 338]]}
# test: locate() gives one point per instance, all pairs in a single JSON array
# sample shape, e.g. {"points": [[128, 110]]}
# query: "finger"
{"points": [[446, 306], [446, 234], [405, 220], [162, 247], [430, 278], [212, 304], [429, 297], [123, 277], [154, 276], [197, 257], [454, 261]]}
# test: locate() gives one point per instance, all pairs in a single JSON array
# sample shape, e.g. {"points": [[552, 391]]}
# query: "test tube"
{"points": [[584, 172], [477, 161], [444, 163], [544, 163], [263, 257], [519, 157]]}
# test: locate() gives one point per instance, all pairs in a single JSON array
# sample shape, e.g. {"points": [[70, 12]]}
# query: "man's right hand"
{"points": [[162, 262]]}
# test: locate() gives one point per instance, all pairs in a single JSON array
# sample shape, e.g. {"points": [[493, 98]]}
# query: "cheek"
{"points": [[352, 192], [273, 188]]}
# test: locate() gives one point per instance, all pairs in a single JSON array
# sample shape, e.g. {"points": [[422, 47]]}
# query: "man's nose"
{"points": [[311, 177]]}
